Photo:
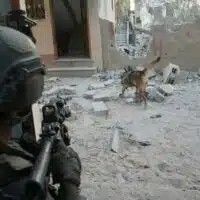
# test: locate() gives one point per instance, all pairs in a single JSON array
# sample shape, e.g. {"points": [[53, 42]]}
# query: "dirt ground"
{"points": [[167, 169]]}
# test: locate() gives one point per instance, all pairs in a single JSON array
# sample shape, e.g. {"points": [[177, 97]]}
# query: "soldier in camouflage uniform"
{"points": [[21, 83]]}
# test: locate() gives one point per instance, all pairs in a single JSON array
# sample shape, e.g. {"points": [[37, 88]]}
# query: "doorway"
{"points": [[71, 28]]}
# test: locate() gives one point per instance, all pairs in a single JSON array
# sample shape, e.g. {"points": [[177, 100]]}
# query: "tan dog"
{"points": [[137, 78]]}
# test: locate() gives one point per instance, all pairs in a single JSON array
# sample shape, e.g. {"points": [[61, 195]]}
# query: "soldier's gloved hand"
{"points": [[66, 165]]}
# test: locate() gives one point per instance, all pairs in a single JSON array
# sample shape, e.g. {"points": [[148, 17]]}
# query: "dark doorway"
{"points": [[71, 28]]}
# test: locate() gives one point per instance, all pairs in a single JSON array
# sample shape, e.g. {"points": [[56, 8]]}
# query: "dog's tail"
{"points": [[155, 61]]}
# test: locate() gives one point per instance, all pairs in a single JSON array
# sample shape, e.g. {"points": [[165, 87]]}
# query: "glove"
{"points": [[66, 165]]}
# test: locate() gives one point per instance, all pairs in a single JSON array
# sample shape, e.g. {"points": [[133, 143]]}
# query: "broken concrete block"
{"points": [[100, 108], [89, 94], [115, 141], [155, 116], [129, 100], [154, 95], [108, 82], [166, 89], [102, 97], [170, 73], [60, 90], [96, 86]]}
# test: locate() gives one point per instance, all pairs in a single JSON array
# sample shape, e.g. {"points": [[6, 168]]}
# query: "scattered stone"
{"points": [[53, 79], [115, 141], [138, 143], [129, 100], [108, 82], [154, 94], [166, 89], [144, 143], [60, 90], [100, 108], [73, 117], [89, 94], [156, 116], [102, 97], [170, 73], [76, 106], [96, 86]]}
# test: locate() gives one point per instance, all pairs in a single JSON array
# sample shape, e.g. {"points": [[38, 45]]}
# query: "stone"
{"points": [[115, 141], [96, 86], [129, 100], [61, 90], [89, 94], [154, 94], [100, 108], [155, 116], [53, 79], [102, 97], [108, 82], [166, 89], [170, 73]]}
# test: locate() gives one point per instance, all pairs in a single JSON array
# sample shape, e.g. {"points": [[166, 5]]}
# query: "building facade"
{"points": [[71, 28]]}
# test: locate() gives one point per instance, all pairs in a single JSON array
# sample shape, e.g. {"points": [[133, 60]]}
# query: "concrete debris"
{"points": [[100, 108], [109, 82], [111, 75], [170, 73], [166, 89], [89, 94], [129, 100], [75, 106], [115, 141], [60, 90], [156, 116], [73, 117], [53, 79], [105, 96], [96, 86], [155, 95]]}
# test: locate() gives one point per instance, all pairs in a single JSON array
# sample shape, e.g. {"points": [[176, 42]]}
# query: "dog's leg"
{"points": [[124, 88], [137, 95], [144, 96]]}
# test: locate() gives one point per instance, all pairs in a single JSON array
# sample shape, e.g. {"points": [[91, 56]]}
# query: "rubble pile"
{"points": [[120, 142]]}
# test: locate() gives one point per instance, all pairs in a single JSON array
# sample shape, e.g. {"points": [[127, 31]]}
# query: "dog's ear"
{"points": [[144, 71]]}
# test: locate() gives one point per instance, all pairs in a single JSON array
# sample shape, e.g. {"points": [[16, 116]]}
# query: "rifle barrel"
{"points": [[35, 185]]}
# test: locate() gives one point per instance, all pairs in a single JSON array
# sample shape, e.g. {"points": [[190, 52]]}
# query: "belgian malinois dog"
{"points": [[137, 78]]}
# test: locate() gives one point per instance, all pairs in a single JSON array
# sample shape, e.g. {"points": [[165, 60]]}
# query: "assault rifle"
{"points": [[54, 114]]}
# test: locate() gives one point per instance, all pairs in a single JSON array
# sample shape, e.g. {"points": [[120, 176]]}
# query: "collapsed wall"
{"points": [[176, 29]]}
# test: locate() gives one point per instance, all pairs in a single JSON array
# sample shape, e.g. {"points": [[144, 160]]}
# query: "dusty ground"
{"points": [[167, 169]]}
